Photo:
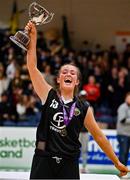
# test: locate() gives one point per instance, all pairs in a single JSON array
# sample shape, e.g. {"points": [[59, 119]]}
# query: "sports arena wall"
{"points": [[96, 21]]}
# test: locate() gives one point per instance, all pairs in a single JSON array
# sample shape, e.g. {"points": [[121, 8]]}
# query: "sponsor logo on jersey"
{"points": [[58, 121], [76, 112]]}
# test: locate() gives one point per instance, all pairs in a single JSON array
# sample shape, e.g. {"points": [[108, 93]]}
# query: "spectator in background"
{"points": [[26, 107], [24, 76], [64, 55], [17, 80], [44, 58], [117, 89], [56, 63], [55, 47], [11, 69], [83, 65], [4, 81], [93, 91], [71, 56], [21, 106], [8, 54], [49, 77], [98, 75], [112, 83], [7, 110], [122, 86], [126, 55], [91, 64], [16, 93], [128, 76], [123, 129], [41, 41], [98, 50], [112, 54], [85, 49]]}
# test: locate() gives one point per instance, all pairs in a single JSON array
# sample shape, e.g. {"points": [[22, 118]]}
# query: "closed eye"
{"points": [[64, 72], [73, 72]]}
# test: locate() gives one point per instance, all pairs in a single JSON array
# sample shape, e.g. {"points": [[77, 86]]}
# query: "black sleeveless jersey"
{"points": [[52, 124]]}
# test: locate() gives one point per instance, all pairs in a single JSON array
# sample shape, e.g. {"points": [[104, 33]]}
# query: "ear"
{"points": [[58, 80], [77, 83]]}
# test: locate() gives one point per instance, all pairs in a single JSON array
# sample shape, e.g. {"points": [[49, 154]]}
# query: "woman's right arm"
{"points": [[39, 83]]}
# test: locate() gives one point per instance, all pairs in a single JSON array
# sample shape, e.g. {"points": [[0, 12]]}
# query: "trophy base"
{"points": [[15, 40]]}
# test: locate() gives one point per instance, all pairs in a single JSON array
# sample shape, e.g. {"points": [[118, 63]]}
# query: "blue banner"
{"points": [[96, 156]]}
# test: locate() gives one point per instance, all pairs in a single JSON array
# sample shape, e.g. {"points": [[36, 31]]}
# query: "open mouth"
{"points": [[68, 81]]}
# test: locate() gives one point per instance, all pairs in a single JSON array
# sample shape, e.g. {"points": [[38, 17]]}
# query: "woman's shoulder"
{"points": [[51, 95], [83, 103]]}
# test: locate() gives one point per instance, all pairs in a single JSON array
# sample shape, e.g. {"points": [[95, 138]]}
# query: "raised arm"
{"points": [[40, 85], [102, 141]]}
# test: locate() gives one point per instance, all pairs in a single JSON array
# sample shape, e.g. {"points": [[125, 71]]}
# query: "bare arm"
{"points": [[102, 141], [40, 85]]}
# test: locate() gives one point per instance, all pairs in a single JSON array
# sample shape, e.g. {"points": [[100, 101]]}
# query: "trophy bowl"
{"points": [[37, 15]]}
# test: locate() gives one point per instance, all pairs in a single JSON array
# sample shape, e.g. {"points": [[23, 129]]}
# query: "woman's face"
{"points": [[68, 77], [91, 80]]}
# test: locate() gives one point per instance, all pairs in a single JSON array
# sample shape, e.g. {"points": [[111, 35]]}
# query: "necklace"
{"points": [[67, 117]]}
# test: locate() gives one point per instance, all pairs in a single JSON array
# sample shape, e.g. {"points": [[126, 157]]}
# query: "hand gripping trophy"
{"points": [[38, 15]]}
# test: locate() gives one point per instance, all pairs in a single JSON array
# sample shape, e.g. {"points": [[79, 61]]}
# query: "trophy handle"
{"points": [[49, 18]]}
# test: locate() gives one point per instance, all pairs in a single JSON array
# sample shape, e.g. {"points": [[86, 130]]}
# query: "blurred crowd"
{"points": [[105, 79]]}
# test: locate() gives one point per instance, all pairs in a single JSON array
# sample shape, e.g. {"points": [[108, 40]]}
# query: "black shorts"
{"points": [[44, 167]]}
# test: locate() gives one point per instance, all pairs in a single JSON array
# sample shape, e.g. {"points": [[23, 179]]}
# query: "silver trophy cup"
{"points": [[38, 15]]}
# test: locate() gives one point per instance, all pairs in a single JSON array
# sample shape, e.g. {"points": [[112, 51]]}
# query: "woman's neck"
{"points": [[66, 95]]}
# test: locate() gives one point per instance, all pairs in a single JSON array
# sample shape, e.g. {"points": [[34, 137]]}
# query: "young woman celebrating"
{"points": [[63, 115]]}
